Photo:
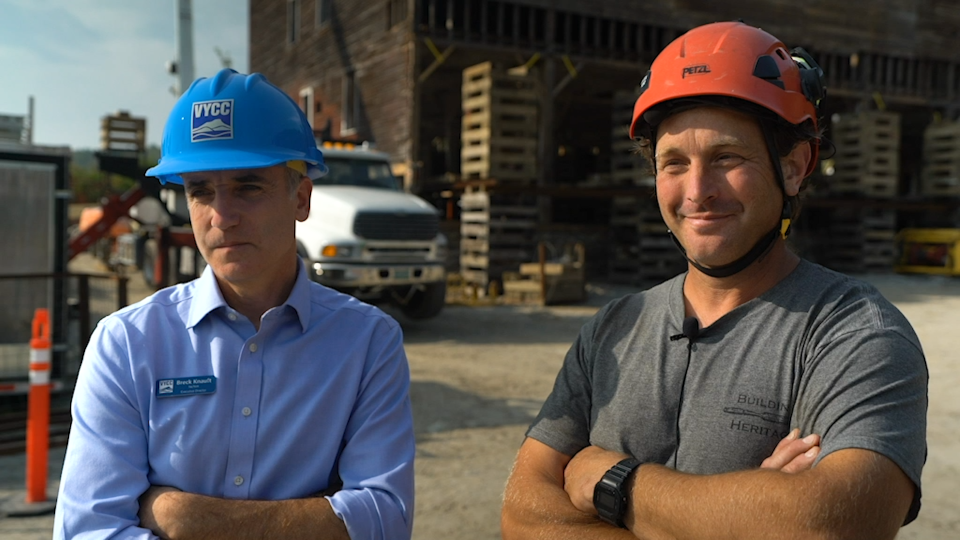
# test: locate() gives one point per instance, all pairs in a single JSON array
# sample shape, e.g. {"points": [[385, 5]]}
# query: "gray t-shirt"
{"points": [[819, 351]]}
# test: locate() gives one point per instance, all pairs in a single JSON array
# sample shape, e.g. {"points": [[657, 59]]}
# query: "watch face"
{"points": [[605, 499]]}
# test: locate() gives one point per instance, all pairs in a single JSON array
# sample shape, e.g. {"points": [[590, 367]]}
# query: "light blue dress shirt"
{"points": [[322, 388]]}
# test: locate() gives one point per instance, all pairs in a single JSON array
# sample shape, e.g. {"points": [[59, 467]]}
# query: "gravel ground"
{"points": [[480, 374]]}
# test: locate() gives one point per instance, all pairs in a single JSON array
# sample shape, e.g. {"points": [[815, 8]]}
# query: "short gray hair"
{"points": [[294, 178]]}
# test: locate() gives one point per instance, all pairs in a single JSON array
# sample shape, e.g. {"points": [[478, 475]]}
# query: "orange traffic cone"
{"points": [[38, 420]]}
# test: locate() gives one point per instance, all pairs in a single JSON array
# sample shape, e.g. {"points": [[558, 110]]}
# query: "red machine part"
{"points": [[115, 208]]}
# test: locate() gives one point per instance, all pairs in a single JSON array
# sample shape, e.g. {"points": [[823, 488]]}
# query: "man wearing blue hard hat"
{"points": [[250, 402]]}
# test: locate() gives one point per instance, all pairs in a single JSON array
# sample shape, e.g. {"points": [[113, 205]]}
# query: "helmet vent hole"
{"points": [[767, 70], [781, 54]]}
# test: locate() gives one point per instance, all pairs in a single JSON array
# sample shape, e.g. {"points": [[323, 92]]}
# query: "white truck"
{"points": [[367, 237]]}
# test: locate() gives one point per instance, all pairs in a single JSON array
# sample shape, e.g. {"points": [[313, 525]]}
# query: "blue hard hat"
{"points": [[235, 121]]}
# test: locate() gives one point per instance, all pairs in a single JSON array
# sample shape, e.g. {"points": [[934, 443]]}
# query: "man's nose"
{"points": [[700, 185], [225, 212]]}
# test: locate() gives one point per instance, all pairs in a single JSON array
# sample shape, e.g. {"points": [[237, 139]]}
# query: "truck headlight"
{"points": [[334, 250]]}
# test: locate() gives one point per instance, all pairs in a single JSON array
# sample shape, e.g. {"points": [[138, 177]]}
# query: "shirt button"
{"points": [[238, 480], [246, 411], [232, 316], [253, 347]]}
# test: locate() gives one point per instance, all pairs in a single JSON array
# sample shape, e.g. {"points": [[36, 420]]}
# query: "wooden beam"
{"points": [[438, 59], [572, 72]]}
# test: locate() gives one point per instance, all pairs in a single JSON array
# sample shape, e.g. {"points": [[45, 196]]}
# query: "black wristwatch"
{"points": [[609, 495]]}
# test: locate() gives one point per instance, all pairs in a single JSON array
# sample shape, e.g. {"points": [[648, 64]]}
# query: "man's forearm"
{"points": [[536, 506], [848, 498], [543, 510], [186, 516]]}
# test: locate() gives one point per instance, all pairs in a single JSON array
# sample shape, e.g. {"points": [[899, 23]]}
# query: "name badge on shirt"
{"points": [[186, 386]]}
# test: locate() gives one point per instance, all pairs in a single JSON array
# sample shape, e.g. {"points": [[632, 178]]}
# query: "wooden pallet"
{"points": [[867, 160], [627, 166], [871, 185], [940, 174], [861, 241], [500, 128], [546, 282], [451, 230], [496, 234], [642, 251]]}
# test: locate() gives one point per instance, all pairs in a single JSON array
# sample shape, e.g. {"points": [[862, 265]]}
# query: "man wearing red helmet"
{"points": [[678, 411]]}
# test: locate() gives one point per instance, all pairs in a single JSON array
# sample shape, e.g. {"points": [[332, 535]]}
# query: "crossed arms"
{"points": [[111, 486], [173, 514], [850, 494]]}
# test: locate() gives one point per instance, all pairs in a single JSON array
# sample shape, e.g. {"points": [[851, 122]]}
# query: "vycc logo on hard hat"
{"points": [[212, 120], [695, 70]]}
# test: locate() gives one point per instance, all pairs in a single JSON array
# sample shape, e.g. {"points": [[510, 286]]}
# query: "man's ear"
{"points": [[794, 166], [304, 191]]}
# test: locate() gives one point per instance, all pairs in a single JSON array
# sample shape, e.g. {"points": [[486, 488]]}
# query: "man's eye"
{"points": [[670, 164]]}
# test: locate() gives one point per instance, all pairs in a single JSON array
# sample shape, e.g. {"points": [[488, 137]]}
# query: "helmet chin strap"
{"points": [[765, 243], [758, 250]]}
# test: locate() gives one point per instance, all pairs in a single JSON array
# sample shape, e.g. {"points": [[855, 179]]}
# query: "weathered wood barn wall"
{"points": [[390, 72], [372, 66], [350, 62]]}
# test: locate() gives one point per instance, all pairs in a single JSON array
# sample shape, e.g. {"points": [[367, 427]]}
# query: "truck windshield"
{"points": [[358, 172]]}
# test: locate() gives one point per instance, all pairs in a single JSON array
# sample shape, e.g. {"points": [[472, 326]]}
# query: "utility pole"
{"points": [[28, 132], [183, 66]]}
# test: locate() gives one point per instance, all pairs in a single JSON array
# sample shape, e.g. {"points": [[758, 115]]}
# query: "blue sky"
{"points": [[85, 59]]}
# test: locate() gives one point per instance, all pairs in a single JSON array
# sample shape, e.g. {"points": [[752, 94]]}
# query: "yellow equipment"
{"points": [[929, 251]]}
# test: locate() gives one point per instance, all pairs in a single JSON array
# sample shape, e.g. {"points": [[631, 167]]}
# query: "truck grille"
{"points": [[395, 226]]}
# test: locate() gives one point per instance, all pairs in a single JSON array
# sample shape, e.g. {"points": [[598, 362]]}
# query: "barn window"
{"points": [[293, 21], [396, 12], [322, 12], [351, 104], [306, 103]]}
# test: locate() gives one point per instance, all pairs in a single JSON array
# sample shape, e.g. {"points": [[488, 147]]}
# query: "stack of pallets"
{"points": [[499, 143], [642, 251], [940, 175], [122, 132], [497, 234], [499, 130], [861, 240], [868, 154], [627, 166]]}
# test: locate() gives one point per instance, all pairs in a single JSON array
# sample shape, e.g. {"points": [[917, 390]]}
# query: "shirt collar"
{"points": [[300, 297], [207, 297]]}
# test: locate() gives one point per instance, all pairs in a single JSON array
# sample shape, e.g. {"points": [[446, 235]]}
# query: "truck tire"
{"points": [[427, 302]]}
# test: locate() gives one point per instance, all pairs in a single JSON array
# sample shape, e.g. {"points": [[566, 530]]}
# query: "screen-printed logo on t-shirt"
{"points": [[755, 414]]}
